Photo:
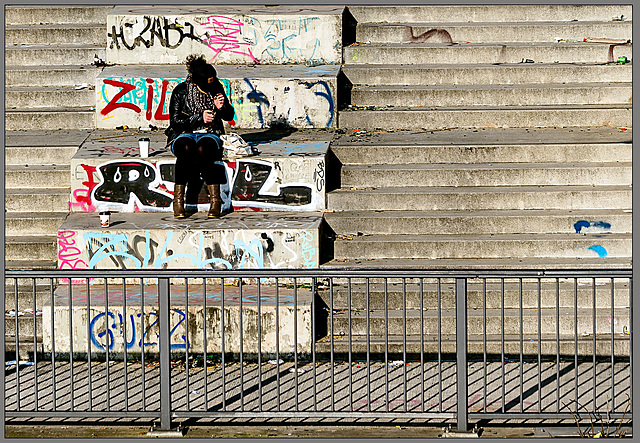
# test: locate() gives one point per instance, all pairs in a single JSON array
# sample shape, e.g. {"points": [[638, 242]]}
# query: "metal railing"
{"points": [[418, 344]]}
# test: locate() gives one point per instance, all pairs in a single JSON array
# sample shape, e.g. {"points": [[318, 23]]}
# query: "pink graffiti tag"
{"points": [[69, 254], [225, 36], [83, 196]]}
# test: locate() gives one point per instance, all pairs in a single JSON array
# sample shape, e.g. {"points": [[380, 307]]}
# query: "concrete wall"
{"points": [[224, 34], [115, 329], [297, 96], [108, 174], [156, 241]]}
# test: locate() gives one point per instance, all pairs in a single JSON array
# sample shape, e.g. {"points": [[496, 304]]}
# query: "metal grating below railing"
{"points": [[418, 344]]}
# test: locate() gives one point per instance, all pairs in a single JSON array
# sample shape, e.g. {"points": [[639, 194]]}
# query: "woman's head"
{"points": [[202, 73]]}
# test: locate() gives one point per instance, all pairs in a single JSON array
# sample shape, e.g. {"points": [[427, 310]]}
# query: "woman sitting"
{"points": [[197, 109]]}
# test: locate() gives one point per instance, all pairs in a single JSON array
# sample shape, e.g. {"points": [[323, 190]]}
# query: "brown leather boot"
{"points": [[178, 201], [215, 201]]}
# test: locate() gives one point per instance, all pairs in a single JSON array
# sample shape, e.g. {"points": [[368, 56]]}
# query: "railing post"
{"points": [[165, 354], [461, 352]]}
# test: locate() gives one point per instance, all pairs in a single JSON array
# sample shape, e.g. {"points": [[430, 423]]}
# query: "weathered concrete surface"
{"points": [[225, 34], [155, 241], [137, 327], [262, 96], [108, 174]]}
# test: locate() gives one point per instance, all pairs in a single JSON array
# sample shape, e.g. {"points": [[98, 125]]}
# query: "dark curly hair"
{"points": [[196, 62]]}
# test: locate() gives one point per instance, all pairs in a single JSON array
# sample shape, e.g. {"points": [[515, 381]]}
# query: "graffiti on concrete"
{"points": [[435, 35], [136, 95], [287, 39], [150, 31], [226, 36], [583, 226], [81, 197]]}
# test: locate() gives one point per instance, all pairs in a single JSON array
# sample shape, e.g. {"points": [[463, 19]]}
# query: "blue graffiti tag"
{"points": [[601, 251], [326, 95], [584, 224], [259, 97]]}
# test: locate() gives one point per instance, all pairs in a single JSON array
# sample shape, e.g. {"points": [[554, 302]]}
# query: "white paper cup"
{"points": [[144, 147], [105, 219]]}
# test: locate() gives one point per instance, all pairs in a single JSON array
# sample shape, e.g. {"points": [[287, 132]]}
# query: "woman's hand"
{"points": [[207, 116], [218, 100]]}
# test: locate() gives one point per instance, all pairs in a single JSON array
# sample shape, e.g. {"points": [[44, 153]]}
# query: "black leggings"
{"points": [[197, 160]]}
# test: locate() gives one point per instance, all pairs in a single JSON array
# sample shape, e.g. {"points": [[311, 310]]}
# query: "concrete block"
{"points": [[49, 118], [38, 55], [58, 34], [33, 223], [262, 96], [34, 97], [26, 247], [42, 75], [43, 14], [225, 34], [37, 200], [35, 176], [117, 329], [157, 241], [108, 174]]}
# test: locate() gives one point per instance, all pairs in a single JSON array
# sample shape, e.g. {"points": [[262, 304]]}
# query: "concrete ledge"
{"points": [[158, 241], [137, 328], [262, 96], [108, 174], [225, 34]]}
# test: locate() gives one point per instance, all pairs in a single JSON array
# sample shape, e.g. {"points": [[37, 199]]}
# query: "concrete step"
{"points": [[471, 53], [483, 246], [477, 117], [476, 322], [50, 118], [25, 325], [487, 74], [33, 223], [394, 345], [547, 221], [31, 264], [36, 247], [414, 297], [39, 55], [487, 174], [476, 197], [45, 147], [56, 34], [46, 200], [36, 176], [519, 31], [489, 13], [34, 97], [25, 291], [42, 75], [492, 95], [46, 155], [481, 263], [49, 14], [421, 152]]}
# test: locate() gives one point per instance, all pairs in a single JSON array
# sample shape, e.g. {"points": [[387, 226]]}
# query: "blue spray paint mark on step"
{"points": [[583, 224], [602, 252]]}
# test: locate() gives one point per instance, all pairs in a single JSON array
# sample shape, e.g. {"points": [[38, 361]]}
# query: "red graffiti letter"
{"points": [[159, 115], [113, 103]]}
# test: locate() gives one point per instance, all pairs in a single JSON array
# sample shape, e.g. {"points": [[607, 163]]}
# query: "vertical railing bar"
{"points": [[124, 316], [295, 336], [368, 346], [422, 343], [53, 348], [313, 344], [439, 306], [222, 356], [71, 391], [165, 352], [106, 330], [594, 345], [186, 334], [484, 342], [521, 346], [386, 343], [35, 345], [205, 344], [241, 351], [575, 337], [89, 345], [350, 344], [540, 344], [17, 333], [278, 344], [259, 347], [142, 334], [502, 363], [613, 386], [404, 339], [333, 406], [557, 345], [461, 355]]}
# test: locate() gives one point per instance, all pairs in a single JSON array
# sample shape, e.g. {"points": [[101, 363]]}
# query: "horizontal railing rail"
{"points": [[344, 343]]}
